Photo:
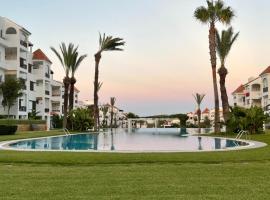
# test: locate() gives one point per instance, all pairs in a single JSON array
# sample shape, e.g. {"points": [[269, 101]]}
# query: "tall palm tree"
{"points": [[66, 58], [104, 110], [106, 43], [199, 98], [113, 99], [224, 45], [75, 65], [215, 11]]}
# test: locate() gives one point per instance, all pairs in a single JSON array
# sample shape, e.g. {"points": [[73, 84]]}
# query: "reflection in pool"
{"points": [[137, 140]]}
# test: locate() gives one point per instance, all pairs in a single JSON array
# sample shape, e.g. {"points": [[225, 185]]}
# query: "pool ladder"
{"points": [[241, 133], [66, 131]]}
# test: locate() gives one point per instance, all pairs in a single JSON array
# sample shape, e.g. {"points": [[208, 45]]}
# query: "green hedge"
{"points": [[8, 130], [23, 121]]}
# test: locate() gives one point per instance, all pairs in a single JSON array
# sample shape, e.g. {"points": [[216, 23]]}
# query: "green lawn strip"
{"points": [[145, 181], [87, 158]]}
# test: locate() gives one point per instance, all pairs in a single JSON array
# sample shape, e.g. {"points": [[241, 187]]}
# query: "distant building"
{"points": [[254, 93], [206, 113]]}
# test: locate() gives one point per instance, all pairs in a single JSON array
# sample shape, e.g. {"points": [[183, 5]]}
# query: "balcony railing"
{"points": [[22, 108], [47, 110], [47, 92], [23, 43], [56, 95], [55, 110], [22, 63], [265, 89]]}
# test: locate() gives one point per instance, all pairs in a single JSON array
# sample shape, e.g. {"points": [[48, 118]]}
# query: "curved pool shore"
{"points": [[139, 141]]}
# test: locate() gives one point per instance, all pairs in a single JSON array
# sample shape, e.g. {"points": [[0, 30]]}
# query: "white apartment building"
{"points": [[119, 117], [16, 60], [41, 93], [206, 113], [254, 93]]}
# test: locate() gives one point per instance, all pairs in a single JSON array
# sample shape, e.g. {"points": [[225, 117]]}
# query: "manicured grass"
{"points": [[66, 175]]}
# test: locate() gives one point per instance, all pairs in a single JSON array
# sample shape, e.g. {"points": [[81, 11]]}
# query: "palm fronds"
{"points": [[215, 11], [225, 42], [109, 43], [198, 98]]}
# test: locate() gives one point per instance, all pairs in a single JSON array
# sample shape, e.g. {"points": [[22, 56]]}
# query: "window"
{"points": [[11, 53], [29, 68], [11, 30], [31, 85], [265, 82]]}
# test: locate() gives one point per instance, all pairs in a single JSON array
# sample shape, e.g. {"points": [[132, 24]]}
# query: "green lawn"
{"points": [[241, 174]]}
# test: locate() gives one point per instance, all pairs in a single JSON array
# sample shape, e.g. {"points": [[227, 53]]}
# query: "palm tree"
{"points": [[113, 99], [214, 12], [104, 110], [106, 43], [75, 65], [199, 98], [224, 44], [66, 59]]}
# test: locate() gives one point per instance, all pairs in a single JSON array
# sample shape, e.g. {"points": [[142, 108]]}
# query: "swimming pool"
{"points": [[120, 140]]}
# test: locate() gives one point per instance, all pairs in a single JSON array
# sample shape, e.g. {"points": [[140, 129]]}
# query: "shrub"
{"points": [[8, 129], [21, 121], [251, 119], [57, 121], [81, 119]]}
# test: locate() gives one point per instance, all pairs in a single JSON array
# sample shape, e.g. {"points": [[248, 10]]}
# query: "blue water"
{"points": [[137, 140]]}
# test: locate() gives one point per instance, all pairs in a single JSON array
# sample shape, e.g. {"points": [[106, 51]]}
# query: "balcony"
{"points": [[55, 94], [22, 63], [265, 89], [23, 43], [47, 92], [255, 95], [47, 110], [22, 108]]}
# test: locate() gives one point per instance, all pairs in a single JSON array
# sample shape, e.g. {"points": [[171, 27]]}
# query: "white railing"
{"points": [[66, 131], [241, 133]]}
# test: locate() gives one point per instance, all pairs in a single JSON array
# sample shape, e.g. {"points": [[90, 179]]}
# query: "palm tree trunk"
{"points": [[223, 92], [199, 119], [213, 58], [96, 110], [112, 118], [66, 86], [71, 93]]}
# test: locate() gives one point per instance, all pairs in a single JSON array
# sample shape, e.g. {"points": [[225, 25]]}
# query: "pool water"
{"points": [[138, 140]]}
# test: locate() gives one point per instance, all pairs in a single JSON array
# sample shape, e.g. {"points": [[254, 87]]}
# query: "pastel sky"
{"points": [[166, 56]]}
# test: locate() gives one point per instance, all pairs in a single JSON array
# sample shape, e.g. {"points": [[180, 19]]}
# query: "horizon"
{"points": [[165, 59]]}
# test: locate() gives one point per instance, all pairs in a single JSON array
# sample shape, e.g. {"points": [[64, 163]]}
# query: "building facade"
{"points": [[254, 93], [41, 92], [205, 114]]}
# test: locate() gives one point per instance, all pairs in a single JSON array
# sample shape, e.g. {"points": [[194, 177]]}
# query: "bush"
{"points": [[21, 121], [251, 119], [80, 119], [57, 121], [8, 129]]}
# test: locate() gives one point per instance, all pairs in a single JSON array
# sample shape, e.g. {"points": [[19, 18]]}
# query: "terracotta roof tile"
{"points": [[206, 110], [240, 89], [39, 55], [266, 71]]}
